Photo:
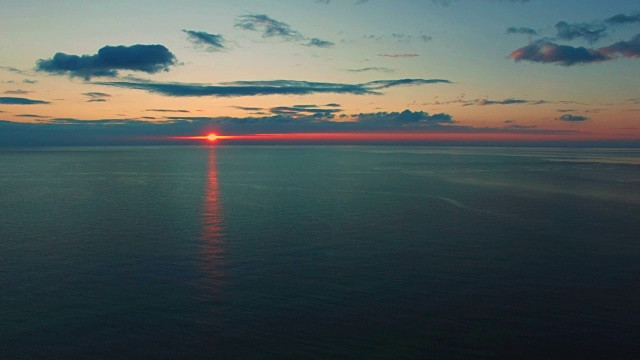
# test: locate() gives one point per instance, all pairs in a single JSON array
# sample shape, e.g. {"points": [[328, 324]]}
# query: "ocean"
{"points": [[289, 252]]}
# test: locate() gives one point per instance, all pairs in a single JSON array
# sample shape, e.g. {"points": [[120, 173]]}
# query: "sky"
{"points": [[88, 72]]}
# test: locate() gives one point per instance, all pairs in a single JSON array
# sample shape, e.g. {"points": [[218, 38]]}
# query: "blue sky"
{"points": [[530, 67]]}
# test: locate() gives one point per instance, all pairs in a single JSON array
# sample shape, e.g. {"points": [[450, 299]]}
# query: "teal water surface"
{"points": [[319, 252]]}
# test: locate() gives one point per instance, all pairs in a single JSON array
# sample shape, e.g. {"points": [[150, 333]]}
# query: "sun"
{"points": [[212, 137]]}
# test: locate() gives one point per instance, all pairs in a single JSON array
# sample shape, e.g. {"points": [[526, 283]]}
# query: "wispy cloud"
{"points": [[20, 101], [169, 110], [109, 60], [248, 108], [304, 110], [326, 2], [97, 96], [521, 30], [398, 55], [18, 92], [510, 101], [320, 43], [210, 42], [272, 28], [33, 116], [448, 2], [591, 32], [371, 69], [628, 49], [572, 118], [272, 87], [15, 70], [621, 19]]}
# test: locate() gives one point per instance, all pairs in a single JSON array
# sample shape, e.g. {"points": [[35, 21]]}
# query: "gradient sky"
{"points": [[517, 69]]}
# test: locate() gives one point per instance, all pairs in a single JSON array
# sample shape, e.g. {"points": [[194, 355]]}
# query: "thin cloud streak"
{"points": [[272, 87], [21, 101]]}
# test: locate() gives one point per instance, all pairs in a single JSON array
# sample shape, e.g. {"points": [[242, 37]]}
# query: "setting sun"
{"points": [[212, 137]]}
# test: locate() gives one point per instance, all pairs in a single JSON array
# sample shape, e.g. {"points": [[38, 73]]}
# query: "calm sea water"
{"points": [[319, 252]]}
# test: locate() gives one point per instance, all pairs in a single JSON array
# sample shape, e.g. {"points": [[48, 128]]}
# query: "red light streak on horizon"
{"points": [[395, 136]]}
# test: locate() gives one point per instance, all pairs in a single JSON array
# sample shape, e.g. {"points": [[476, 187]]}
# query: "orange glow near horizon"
{"points": [[400, 137]]}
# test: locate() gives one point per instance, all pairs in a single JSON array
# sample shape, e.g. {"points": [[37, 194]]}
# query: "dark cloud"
{"points": [[28, 81], [398, 55], [332, 105], [425, 38], [168, 110], [551, 53], [320, 43], [20, 101], [109, 60], [210, 42], [620, 19], [521, 30], [272, 87], [97, 96], [367, 69], [569, 117], [18, 92], [590, 32], [629, 48], [548, 52]]}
